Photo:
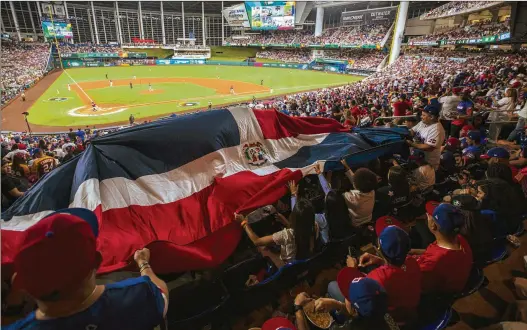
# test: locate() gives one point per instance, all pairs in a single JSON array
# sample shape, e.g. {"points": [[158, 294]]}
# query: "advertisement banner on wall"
{"points": [[236, 16], [177, 62], [72, 64], [369, 16]]}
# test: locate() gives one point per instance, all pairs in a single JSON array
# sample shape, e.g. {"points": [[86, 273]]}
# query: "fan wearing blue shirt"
{"points": [[56, 265], [474, 149], [81, 134]]}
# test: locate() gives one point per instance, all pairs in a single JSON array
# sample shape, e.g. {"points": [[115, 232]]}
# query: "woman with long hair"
{"points": [[336, 215]]}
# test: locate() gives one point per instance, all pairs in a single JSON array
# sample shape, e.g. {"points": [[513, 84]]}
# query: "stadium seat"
{"points": [[499, 252], [499, 227], [440, 321], [475, 281], [189, 310]]}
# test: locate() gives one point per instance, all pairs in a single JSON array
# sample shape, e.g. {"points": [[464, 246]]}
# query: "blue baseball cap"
{"points": [[497, 152], [432, 109], [447, 159], [366, 295], [395, 244], [417, 154], [474, 135], [446, 216]]}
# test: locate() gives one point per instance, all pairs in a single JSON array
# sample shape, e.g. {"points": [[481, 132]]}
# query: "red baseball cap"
{"points": [[431, 206], [57, 253], [278, 323], [345, 277], [453, 142], [384, 222]]}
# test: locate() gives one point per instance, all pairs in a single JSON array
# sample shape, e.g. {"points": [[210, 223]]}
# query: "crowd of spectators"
{"points": [[286, 55], [23, 64], [458, 7], [476, 30], [66, 48], [361, 35], [362, 59], [422, 211]]}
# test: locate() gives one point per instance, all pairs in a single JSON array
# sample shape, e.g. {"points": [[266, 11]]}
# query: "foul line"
{"points": [[79, 87]]}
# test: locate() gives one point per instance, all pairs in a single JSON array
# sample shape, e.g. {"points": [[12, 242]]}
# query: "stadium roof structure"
{"points": [[211, 7]]}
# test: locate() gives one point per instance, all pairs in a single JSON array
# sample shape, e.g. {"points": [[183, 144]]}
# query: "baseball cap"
{"points": [[453, 142], [447, 159], [465, 202], [432, 109], [496, 152], [278, 323], [456, 90], [384, 222], [417, 154], [467, 128], [394, 243], [474, 135], [446, 216], [57, 253], [366, 295]]}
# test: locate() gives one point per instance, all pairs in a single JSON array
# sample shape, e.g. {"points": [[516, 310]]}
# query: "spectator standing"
{"points": [[429, 135], [72, 135], [81, 134], [520, 125], [448, 108], [61, 248], [400, 108]]}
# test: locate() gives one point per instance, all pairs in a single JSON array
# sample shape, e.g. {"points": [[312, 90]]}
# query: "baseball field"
{"points": [[154, 91]]}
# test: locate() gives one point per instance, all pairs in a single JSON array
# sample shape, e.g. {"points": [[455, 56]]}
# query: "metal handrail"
{"points": [[379, 118]]}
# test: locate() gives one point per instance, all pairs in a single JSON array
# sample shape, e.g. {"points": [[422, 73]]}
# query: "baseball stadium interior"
{"points": [[264, 165]]}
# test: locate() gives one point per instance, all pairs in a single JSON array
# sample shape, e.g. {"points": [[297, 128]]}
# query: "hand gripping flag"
{"points": [[174, 185]]}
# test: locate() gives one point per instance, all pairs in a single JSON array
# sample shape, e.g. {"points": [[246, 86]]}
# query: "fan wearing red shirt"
{"points": [[400, 107], [397, 273], [446, 264]]}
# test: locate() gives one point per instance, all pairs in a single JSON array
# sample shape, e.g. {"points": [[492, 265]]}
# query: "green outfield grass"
{"points": [[58, 113]]}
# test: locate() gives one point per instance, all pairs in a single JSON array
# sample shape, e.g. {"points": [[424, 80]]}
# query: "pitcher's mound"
{"points": [[155, 91]]}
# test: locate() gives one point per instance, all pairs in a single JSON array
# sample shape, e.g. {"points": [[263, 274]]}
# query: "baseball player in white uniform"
{"points": [[429, 135]]}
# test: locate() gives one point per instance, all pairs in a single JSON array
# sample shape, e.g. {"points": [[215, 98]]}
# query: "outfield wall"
{"points": [[322, 66]]}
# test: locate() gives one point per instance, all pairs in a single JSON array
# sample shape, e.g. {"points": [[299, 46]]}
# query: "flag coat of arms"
{"points": [[174, 185]]}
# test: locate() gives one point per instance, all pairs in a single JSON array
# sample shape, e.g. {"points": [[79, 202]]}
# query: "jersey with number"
{"points": [[433, 135], [44, 165]]}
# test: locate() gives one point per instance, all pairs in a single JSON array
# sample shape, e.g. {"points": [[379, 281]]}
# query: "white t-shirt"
{"points": [[433, 135], [11, 154], [286, 239], [449, 105], [504, 104]]}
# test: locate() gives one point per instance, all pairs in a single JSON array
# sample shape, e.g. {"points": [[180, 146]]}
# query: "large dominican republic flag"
{"points": [[174, 185]]}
